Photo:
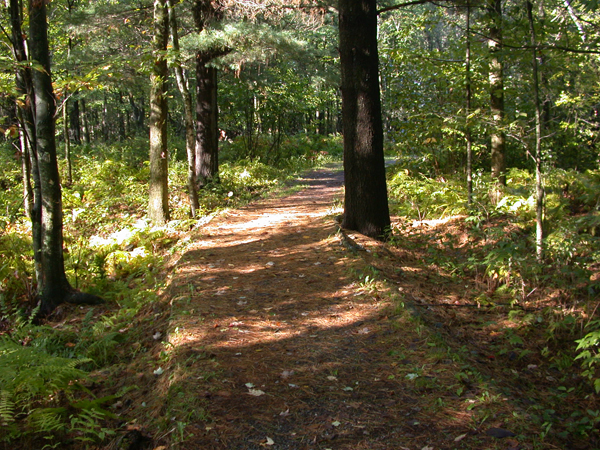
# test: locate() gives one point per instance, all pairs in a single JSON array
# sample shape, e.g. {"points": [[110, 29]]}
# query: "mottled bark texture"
{"points": [[366, 206], [158, 208]]}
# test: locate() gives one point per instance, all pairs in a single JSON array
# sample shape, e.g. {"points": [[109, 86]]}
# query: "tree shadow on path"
{"points": [[279, 338]]}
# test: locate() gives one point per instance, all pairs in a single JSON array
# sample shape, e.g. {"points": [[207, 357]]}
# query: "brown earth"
{"points": [[286, 333]]}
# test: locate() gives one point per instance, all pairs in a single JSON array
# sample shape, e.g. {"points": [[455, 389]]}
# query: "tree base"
{"points": [[49, 301]]}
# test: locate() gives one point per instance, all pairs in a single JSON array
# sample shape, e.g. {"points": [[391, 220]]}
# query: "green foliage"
{"points": [[419, 197], [111, 250], [589, 355], [497, 251], [16, 267], [40, 395]]}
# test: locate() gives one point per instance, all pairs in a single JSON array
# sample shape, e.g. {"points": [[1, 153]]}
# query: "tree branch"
{"points": [[401, 5]]}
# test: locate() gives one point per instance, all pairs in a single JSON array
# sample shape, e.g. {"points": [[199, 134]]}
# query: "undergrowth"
{"points": [[46, 372], [543, 316]]}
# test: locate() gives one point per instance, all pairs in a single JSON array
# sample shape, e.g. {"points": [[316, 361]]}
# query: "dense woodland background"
{"points": [[491, 114]]}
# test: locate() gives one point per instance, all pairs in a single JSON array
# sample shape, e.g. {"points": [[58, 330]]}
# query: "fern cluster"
{"points": [[39, 393]]}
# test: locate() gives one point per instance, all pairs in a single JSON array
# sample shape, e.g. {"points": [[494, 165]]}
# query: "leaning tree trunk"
{"points": [[496, 80], [366, 207], [188, 113], [53, 286], [158, 208], [24, 85]]}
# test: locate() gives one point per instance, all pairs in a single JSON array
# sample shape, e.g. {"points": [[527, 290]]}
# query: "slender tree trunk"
{"points": [[105, 128], [539, 204], [190, 132], [85, 122], [158, 208], [25, 165], [468, 135], [496, 80], [26, 132], [366, 207], [67, 142], [214, 123], [137, 113], [121, 117], [75, 122]]}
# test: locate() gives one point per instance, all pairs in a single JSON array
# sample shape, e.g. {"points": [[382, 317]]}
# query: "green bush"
{"points": [[418, 196]]}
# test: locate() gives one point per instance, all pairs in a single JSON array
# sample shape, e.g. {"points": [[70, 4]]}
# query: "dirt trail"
{"points": [[278, 346]]}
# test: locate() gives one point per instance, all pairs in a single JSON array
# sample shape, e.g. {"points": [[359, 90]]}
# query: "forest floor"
{"points": [[280, 331]]}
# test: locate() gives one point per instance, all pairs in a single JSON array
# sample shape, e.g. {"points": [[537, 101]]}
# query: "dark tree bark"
{"points": [[75, 122], [105, 126], [158, 208], [207, 137], [137, 113], [496, 80], [67, 140], [24, 86], [121, 117], [25, 165], [53, 286], [85, 127], [207, 128], [190, 132], [366, 206]]}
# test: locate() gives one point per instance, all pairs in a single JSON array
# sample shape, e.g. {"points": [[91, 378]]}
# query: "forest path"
{"points": [[276, 343]]}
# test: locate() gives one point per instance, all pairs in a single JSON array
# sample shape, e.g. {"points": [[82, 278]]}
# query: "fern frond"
{"points": [[7, 408]]}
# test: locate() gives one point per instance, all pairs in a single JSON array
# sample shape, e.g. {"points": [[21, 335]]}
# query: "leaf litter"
{"points": [[374, 365]]}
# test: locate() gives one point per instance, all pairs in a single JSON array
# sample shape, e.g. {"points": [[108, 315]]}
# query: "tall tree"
{"points": [[496, 80], [468, 94], [24, 85], [207, 128], [539, 249], [158, 208], [366, 206], [53, 286]]}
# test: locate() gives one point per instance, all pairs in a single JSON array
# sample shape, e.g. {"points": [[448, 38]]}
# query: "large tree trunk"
{"points": [[496, 80], [190, 132], [53, 286], [207, 128], [207, 137], [158, 208], [366, 207]]}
